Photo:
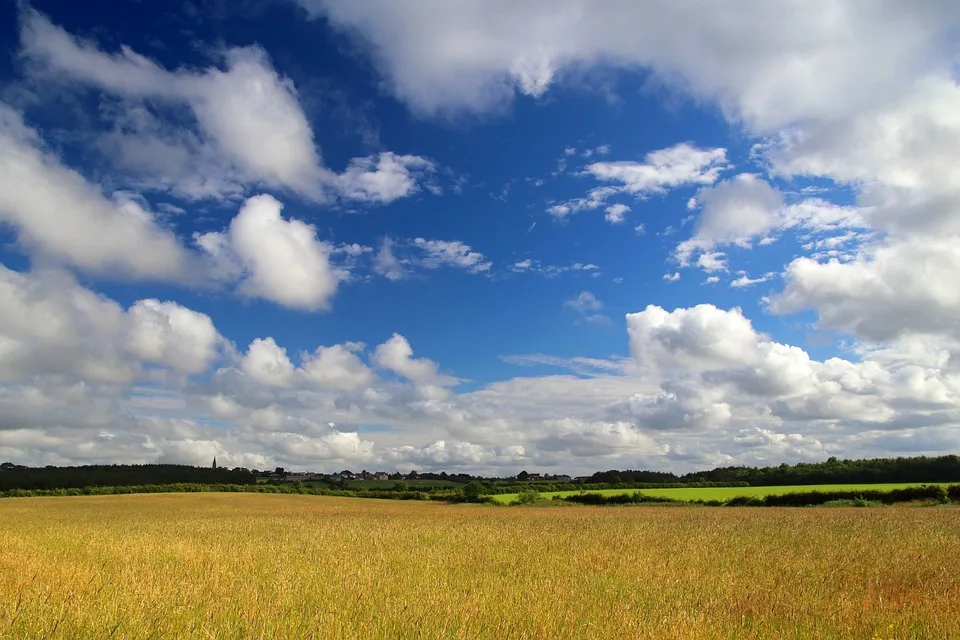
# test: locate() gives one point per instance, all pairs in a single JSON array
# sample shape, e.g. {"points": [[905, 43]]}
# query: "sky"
{"points": [[478, 235]]}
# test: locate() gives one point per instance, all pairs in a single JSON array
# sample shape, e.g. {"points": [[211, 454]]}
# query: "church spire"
{"points": [[214, 462]]}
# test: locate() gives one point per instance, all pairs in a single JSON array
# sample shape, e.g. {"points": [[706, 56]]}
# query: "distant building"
{"points": [[381, 475], [534, 476]]}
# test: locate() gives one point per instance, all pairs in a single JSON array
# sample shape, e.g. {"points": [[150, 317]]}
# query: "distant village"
{"points": [[346, 475]]}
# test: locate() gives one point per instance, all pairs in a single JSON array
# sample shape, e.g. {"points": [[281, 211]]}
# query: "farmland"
{"points": [[721, 493], [247, 565]]}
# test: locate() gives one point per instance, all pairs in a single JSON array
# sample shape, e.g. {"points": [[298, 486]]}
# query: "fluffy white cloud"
{"points": [[248, 112], [615, 213], [383, 179], [251, 129], [59, 216], [396, 354], [890, 290], [734, 212], [682, 164], [279, 260], [50, 326], [338, 368], [676, 166], [267, 363], [171, 335], [767, 65]]}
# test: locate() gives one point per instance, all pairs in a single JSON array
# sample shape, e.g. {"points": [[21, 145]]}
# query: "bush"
{"points": [[528, 496], [620, 498]]}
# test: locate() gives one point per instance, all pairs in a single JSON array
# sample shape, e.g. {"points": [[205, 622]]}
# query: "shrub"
{"points": [[528, 496]]}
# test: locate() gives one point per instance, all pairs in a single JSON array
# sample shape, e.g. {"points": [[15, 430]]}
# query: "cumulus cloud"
{"points": [[396, 354], [383, 179], [51, 326], [734, 212], [768, 66], [674, 166], [250, 126], [101, 235], [889, 290], [277, 259]]}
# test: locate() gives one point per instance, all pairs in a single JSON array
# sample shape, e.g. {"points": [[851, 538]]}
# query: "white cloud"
{"points": [[675, 166], [383, 179], [890, 289], [671, 277], [338, 368], [615, 213], [59, 216], [396, 354], [552, 270], [746, 281], [522, 265], [712, 261], [386, 262], [50, 326], [250, 127], [247, 111], [712, 280], [454, 253], [168, 334], [267, 363], [734, 212], [280, 260], [584, 302], [768, 66], [679, 165]]}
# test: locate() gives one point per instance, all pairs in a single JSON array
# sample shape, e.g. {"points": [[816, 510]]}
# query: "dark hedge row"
{"points": [[933, 493]]}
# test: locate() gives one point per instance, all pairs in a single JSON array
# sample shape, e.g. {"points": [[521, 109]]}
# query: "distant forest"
{"points": [[833, 471], [118, 475]]}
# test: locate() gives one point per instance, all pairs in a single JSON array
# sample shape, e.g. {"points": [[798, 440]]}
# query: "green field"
{"points": [[723, 493], [289, 566]]}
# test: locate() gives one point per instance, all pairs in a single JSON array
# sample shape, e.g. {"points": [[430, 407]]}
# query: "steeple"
{"points": [[214, 462]]}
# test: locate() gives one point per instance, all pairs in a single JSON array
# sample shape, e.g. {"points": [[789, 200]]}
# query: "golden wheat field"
{"points": [[272, 566]]}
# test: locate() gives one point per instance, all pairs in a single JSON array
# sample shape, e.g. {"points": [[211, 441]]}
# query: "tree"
{"points": [[523, 475], [473, 490], [401, 486]]}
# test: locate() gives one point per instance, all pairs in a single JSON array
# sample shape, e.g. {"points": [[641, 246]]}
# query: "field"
{"points": [[272, 566], [721, 493]]}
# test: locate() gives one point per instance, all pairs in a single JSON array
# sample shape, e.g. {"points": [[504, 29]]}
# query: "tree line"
{"points": [[832, 471], [28, 478], [921, 469]]}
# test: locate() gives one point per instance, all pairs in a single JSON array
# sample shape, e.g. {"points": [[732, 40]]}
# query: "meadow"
{"points": [[290, 566], [721, 493]]}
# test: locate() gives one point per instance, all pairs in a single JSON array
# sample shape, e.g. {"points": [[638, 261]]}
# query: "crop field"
{"points": [[288, 566], [722, 493]]}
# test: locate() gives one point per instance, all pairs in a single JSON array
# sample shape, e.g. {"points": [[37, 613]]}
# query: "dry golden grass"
{"points": [[270, 566]]}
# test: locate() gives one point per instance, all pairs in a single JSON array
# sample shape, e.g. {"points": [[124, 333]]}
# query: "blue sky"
{"points": [[525, 235]]}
